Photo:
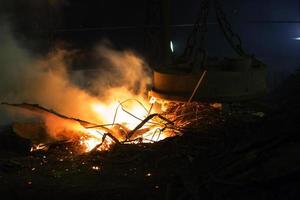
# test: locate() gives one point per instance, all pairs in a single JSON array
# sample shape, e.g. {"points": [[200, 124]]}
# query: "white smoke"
{"points": [[48, 81]]}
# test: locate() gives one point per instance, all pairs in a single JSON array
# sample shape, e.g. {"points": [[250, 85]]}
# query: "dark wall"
{"points": [[267, 28]]}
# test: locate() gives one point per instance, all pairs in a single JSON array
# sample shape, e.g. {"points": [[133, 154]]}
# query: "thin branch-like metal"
{"points": [[154, 133], [42, 111], [139, 102], [145, 121]]}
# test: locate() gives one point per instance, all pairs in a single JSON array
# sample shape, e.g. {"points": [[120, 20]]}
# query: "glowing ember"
{"points": [[93, 139], [39, 147], [96, 168]]}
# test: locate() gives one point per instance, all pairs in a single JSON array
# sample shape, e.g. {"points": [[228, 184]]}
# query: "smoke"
{"points": [[49, 81], [120, 72]]}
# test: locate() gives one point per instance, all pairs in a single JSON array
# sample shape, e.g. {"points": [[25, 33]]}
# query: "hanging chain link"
{"points": [[233, 39], [195, 47]]}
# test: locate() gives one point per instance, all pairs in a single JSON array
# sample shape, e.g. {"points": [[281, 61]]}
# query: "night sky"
{"points": [[267, 28]]}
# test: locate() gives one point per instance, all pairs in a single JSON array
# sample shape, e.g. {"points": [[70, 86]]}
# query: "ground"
{"points": [[247, 150]]}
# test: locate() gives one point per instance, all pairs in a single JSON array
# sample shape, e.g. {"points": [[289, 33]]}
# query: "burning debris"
{"points": [[107, 105], [129, 129]]}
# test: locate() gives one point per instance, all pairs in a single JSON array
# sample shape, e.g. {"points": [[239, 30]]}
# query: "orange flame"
{"points": [[119, 120], [129, 116]]}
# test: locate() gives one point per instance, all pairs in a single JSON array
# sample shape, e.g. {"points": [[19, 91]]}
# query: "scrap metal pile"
{"points": [[251, 149], [176, 119]]}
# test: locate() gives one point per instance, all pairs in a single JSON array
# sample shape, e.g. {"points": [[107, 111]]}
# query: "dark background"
{"points": [[267, 28], [246, 150]]}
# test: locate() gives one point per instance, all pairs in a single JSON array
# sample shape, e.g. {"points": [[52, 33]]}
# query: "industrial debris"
{"points": [[175, 120]]}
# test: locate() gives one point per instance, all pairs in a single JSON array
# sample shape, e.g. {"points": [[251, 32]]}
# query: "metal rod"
{"points": [[197, 86]]}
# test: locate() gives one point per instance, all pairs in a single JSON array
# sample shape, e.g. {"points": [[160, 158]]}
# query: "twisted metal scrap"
{"points": [[178, 118], [130, 134], [44, 111]]}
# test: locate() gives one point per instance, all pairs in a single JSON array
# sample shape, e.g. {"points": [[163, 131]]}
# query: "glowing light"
{"points": [[92, 139], [39, 147], [296, 38], [171, 46], [96, 168], [148, 174], [152, 100]]}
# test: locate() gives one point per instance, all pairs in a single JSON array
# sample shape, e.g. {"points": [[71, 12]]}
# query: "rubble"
{"points": [[232, 154]]}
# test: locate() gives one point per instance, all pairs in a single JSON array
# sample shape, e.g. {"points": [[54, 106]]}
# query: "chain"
{"points": [[233, 38], [195, 47]]}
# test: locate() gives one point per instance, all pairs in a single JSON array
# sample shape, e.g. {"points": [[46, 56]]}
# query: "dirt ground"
{"points": [[252, 153]]}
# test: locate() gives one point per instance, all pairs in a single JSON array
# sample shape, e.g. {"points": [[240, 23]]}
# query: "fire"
{"points": [[110, 114], [130, 121], [40, 146], [120, 119], [99, 108]]}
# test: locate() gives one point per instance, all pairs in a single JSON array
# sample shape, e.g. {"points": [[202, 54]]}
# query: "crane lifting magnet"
{"points": [[195, 76]]}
